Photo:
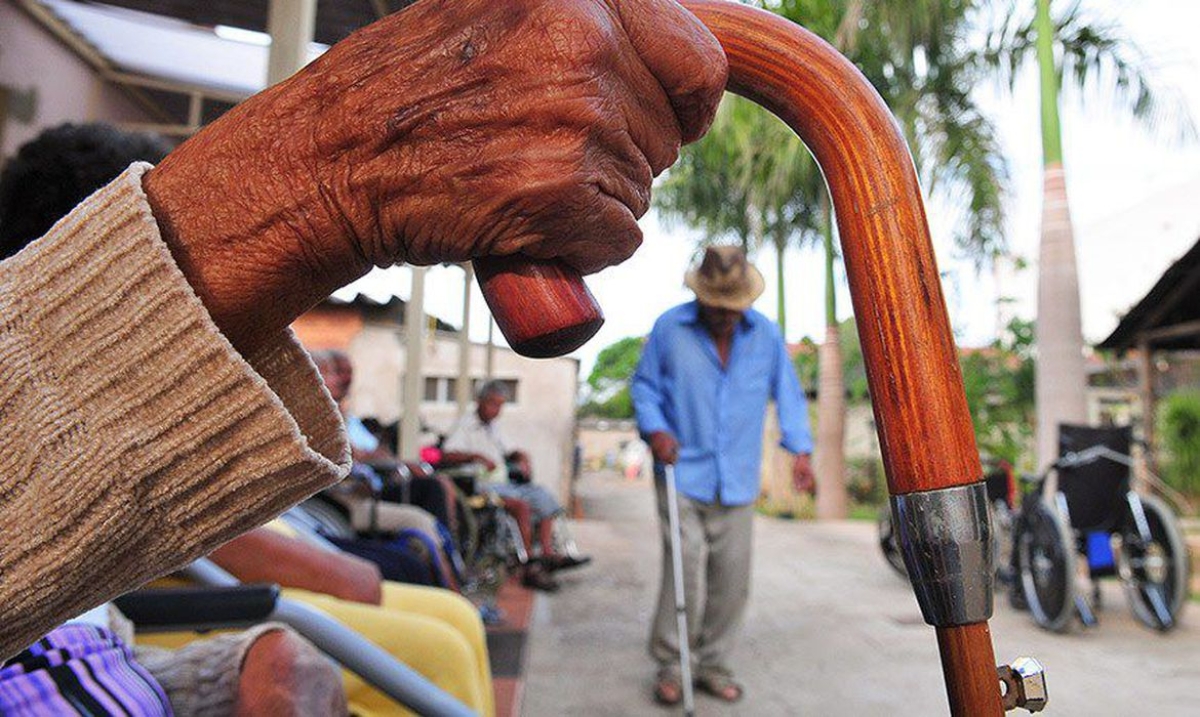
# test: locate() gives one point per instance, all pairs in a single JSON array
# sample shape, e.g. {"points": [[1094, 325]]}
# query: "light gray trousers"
{"points": [[716, 542]]}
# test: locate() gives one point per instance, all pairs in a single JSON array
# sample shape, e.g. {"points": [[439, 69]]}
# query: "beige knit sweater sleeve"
{"points": [[133, 437]]}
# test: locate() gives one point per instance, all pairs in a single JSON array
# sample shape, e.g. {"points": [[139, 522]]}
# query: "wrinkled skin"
{"points": [[452, 130], [664, 447]]}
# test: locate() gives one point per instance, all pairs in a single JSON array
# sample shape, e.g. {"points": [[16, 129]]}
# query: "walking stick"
{"points": [[929, 452], [685, 648]]}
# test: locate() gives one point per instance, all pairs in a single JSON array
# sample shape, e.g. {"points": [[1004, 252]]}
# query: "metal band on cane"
{"points": [[946, 540]]}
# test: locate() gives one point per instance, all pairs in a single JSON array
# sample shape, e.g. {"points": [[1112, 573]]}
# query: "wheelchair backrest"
{"points": [[998, 478], [1095, 491]]}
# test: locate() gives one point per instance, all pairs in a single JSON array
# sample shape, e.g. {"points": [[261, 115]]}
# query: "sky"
{"points": [[1134, 196]]}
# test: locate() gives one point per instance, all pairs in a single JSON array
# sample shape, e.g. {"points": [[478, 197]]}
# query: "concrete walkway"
{"points": [[831, 631]]}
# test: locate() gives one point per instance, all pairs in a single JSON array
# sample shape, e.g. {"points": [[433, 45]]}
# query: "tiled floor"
{"points": [[508, 647]]}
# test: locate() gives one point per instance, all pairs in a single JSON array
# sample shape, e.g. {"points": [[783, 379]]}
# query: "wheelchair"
{"points": [[1083, 521], [1001, 488]]}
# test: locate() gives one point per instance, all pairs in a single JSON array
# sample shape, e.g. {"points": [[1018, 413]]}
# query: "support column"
{"points": [[489, 371], [414, 347], [1149, 407], [463, 387], [292, 25]]}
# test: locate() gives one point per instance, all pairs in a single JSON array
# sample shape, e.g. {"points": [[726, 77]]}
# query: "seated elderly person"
{"points": [[475, 439], [92, 660], [373, 457]]}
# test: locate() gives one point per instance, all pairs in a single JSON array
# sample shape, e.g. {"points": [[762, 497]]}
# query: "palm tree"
{"points": [[1088, 52], [750, 178], [917, 56], [830, 466]]}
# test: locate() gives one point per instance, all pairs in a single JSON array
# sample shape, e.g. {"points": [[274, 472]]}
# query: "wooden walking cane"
{"points": [[925, 433]]}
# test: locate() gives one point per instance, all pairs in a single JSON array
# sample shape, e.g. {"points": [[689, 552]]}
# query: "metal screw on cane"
{"points": [[685, 660], [1024, 684]]}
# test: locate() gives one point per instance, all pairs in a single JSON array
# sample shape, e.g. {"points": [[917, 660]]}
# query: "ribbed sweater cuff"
{"points": [[135, 439]]}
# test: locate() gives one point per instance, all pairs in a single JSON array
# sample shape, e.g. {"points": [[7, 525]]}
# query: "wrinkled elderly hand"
{"points": [[454, 129], [804, 480], [664, 447]]}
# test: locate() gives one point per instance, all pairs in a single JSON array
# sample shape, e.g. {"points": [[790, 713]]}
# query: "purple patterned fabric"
{"points": [[79, 669]]}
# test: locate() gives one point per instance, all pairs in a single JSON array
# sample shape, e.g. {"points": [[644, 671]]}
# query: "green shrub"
{"points": [[1180, 430], [865, 481]]}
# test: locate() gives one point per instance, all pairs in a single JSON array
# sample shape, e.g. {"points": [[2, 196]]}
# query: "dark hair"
{"points": [[52, 173], [495, 387]]}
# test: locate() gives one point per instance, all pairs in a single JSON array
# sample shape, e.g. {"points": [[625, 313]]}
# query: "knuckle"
{"points": [[664, 156], [587, 36]]}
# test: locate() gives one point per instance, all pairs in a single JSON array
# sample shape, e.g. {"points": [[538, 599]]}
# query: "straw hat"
{"points": [[725, 279]]}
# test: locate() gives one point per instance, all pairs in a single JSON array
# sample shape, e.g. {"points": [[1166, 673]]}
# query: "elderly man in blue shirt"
{"points": [[700, 392]]}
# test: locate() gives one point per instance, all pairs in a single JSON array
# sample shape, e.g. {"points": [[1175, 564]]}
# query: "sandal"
{"points": [[554, 563], [538, 579], [720, 685], [668, 687]]}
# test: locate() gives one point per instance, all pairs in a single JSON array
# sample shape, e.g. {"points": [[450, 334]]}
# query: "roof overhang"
{"points": [[1168, 317]]}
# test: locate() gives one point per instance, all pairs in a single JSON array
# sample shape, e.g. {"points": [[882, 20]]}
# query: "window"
{"points": [[432, 384], [510, 386], [444, 389], [441, 389]]}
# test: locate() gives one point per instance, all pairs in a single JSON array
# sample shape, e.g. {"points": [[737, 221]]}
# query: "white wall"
{"points": [[66, 88]]}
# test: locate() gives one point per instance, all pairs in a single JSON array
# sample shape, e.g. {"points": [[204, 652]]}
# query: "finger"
{"points": [[620, 169], [650, 118], [682, 54], [597, 231]]}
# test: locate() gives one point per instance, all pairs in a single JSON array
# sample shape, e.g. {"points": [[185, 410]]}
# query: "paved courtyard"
{"points": [[831, 631]]}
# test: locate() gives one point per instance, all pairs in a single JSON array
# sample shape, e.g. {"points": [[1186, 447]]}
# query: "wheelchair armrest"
{"points": [[1031, 478], [191, 608]]}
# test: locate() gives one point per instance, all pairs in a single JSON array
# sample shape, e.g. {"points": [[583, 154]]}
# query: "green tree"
{"points": [[805, 362], [999, 385], [1087, 54], [608, 383], [919, 56], [748, 181]]}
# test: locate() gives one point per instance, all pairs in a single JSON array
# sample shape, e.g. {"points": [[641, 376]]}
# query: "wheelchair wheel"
{"points": [[1046, 564], [889, 543], [1154, 571], [1002, 530], [467, 535]]}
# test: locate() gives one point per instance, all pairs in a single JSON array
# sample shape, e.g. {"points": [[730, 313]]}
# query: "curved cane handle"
{"points": [[912, 365]]}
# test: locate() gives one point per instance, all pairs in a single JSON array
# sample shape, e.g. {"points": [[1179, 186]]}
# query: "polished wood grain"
{"points": [[543, 308], [912, 365], [969, 667], [916, 386]]}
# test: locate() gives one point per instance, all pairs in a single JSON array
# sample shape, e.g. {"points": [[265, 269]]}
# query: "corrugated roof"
{"points": [[170, 49], [391, 309], [335, 18], [1174, 300], [216, 46]]}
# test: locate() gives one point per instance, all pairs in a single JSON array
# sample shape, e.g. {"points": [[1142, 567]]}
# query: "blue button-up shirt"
{"points": [[716, 413]]}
